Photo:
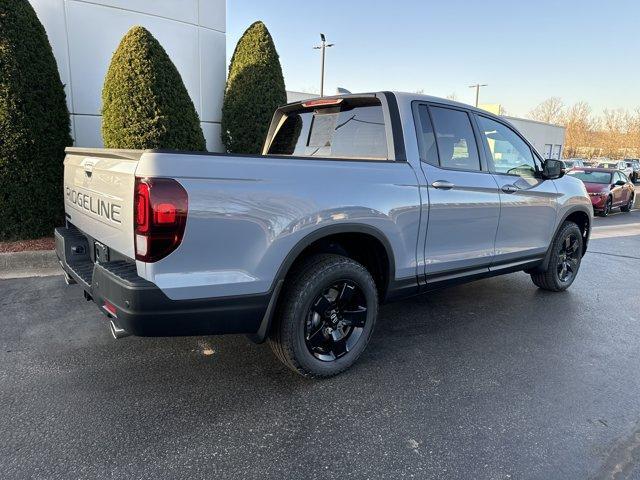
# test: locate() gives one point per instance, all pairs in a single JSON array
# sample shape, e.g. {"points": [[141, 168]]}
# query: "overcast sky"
{"points": [[525, 50]]}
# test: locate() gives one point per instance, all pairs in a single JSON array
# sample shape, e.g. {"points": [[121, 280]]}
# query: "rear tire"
{"points": [[564, 262], [629, 205], [607, 208], [327, 314]]}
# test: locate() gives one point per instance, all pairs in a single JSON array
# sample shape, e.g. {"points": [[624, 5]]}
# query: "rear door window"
{"points": [[456, 141], [426, 137], [344, 131]]}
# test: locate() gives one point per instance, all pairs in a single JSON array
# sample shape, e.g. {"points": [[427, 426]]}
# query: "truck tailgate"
{"points": [[98, 194]]}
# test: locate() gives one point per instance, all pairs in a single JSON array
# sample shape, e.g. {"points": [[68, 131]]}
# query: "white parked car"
{"points": [[570, 163], [618, 165]]}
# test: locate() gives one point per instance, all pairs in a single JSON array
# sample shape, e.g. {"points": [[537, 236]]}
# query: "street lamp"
{"points": [[477, 87], [323, 46]]}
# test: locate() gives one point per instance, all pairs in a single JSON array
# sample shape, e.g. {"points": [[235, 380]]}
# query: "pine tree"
{"points": [[144, 101], [255, 88], [34, 126]]}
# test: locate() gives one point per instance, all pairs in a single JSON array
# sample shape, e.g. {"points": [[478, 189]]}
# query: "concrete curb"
{"points": [[29, 264]]}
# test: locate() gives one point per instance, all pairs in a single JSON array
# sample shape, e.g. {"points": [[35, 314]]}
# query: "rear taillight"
{"points": [[160, 217]]}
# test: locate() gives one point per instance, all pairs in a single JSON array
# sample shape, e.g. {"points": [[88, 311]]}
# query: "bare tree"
{"points": [[580, 130], [549, 111], [615, 132]]}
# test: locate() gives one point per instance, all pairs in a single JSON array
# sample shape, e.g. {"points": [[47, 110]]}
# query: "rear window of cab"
{"points": [[346, 129]]}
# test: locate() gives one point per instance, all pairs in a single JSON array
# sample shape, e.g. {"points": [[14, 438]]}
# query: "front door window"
{"points": [[508, 152]]}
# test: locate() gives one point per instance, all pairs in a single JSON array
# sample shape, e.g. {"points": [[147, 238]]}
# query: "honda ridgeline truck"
{"points": [[355, 200]]}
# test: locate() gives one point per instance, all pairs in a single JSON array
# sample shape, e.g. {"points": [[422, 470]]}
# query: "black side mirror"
{"points": [[552, 169], [620, 183]]}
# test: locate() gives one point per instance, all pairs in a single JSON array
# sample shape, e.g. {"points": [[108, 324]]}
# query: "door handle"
{"points": [[509, 188], [442, 185]]}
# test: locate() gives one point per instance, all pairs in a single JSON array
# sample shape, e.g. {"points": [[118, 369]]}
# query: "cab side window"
{"points": [[508, 152]]}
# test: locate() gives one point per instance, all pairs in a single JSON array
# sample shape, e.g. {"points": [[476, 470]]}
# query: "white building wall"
{"points": [[548, 139], [85, 34]]}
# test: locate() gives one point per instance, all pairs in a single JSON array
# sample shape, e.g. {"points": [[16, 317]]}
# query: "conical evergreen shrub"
{"points": [[255, 88], [34, 126], [144, 101]]}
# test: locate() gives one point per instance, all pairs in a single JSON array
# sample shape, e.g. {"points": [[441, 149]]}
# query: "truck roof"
{"points": [[407, 97]]}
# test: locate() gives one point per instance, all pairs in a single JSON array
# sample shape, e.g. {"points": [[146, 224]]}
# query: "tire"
{"points": [[299, 336], [629, 205], [607, 208], [552, 279]]}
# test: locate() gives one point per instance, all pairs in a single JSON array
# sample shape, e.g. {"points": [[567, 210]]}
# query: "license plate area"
{"points": [[101, 252]]}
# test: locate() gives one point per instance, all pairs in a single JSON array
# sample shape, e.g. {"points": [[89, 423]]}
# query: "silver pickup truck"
{"points": [[355, 200]]}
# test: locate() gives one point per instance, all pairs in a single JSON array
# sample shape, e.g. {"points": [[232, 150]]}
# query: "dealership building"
{"points": [[84, 34]]}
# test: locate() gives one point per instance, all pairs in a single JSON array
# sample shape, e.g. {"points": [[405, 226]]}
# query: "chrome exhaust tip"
{"points": [[116, 331]]}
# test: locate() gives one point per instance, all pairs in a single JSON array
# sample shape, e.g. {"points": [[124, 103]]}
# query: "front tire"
{"points": [[327, 314], [564, 262]]}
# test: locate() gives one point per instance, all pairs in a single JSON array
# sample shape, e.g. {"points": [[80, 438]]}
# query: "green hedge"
{"points": [[144, 101], [34, 126], [255, 88]]}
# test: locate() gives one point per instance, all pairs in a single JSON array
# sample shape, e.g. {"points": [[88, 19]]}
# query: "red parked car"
{"points": [[608, 188]]}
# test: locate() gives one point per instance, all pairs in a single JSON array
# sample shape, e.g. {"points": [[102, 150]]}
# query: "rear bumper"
{"points": [[141, 308]]}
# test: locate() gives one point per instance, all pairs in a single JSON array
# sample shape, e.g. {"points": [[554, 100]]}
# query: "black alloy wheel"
{"points": [[327, 312], [335, 320], [568, 258], [565, 256]]}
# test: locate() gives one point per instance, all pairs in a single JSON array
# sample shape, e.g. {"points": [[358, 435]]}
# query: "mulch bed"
{"points": [[46, 243]]}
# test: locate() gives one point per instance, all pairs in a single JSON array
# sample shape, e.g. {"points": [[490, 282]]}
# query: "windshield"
{"points": [[591, 177], [608, 165]]}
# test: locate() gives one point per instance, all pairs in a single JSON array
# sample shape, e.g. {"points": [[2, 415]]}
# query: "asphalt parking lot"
{"points": [[491, 380]]}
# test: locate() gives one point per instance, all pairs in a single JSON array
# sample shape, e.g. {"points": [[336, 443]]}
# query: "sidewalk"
{"points": [[38, 263]]}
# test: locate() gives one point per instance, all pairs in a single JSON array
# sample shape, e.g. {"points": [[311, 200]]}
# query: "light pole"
{"points": [[477, 87], [323, 46]]}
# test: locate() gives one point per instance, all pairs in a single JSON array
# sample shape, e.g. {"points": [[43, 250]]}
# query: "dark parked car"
{"points": [[608, 188]]}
